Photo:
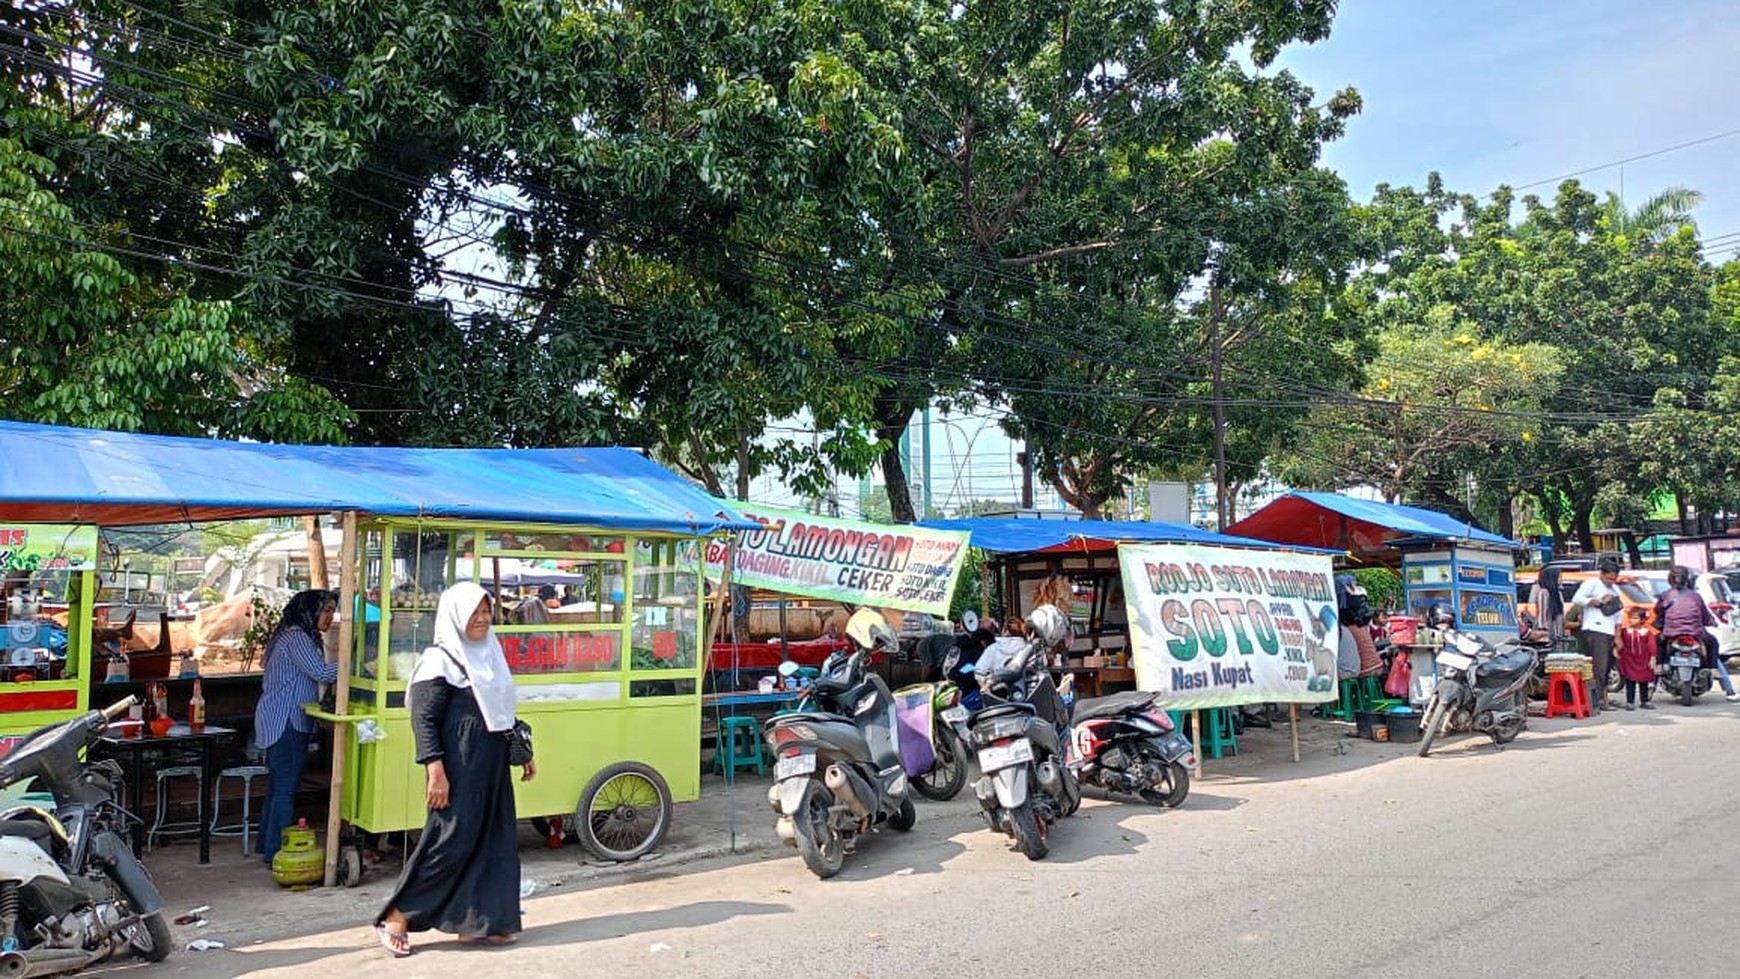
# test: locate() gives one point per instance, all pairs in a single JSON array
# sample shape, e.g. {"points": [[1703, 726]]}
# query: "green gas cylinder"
{"points": [[299, 862]]}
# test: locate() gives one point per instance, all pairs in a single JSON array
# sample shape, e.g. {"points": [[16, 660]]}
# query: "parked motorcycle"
{"points": [[1123, 743], [837, 771], [943, 768], [71, 892], [1480, 688], [1025, 784], [1687, 676]]}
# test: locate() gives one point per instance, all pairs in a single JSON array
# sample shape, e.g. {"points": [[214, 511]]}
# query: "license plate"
{"points": [[791, 766], [1004, 755], [1455, 661], [954, 715], [1686, 660], [1174, 746]]}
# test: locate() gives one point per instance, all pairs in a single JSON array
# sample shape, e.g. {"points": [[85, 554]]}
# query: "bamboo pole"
{"points": [[1293, 724], [341, 733], [1196, 739]]}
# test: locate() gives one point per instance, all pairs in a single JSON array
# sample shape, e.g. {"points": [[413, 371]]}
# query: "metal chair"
{"points": [[160, 825], [247, 773]]}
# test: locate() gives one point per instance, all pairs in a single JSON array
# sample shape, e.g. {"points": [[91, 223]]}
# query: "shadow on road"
{"points": [[698, 914]]}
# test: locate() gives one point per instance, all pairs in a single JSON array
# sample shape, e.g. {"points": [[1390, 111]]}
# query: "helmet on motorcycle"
{"points": [[1441, 616], [869, 630], [1048, 624]]}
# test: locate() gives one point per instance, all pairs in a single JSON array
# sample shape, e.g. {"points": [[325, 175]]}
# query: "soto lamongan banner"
{"points": [[1218, 627], [888, 566]]}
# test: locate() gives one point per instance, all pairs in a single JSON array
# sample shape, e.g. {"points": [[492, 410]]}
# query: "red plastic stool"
{"points": [[1567, 694]]}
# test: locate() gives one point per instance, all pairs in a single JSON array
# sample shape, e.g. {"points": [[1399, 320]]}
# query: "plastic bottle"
{"points": [[160, 697], [196, 707]]}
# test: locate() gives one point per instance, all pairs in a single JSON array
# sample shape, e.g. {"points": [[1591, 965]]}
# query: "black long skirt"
{"points": [[464, 875]]}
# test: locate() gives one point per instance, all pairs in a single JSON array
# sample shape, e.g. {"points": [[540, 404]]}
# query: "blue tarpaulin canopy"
{"points": [[1010, 535], [1343, 523], [50, 474]]}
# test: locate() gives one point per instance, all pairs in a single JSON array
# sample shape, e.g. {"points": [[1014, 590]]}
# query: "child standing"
{"points": [[1637, 657]]}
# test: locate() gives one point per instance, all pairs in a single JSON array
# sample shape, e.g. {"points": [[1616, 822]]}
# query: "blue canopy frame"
{"points": [[50, 474]]}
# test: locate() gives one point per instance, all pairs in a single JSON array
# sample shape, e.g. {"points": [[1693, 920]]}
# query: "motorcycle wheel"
{"points": [[1174, 785], [1686, 694], [907, 817], [818, 842], [150, 938], [943, 782], [1029, 832], [1436, 716]]}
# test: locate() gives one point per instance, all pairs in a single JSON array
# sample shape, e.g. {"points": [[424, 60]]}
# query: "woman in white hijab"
{"points": [[464, 875]]}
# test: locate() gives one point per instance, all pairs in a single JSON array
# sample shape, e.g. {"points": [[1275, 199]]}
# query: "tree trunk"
{"points": [[1507, 516], [893, 415], [743, 465]]}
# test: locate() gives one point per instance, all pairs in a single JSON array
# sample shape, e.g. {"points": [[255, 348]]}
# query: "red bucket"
{"points": [[1403, 629]]}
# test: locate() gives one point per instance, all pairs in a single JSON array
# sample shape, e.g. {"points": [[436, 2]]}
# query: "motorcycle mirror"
{"points": [[969, 620]]}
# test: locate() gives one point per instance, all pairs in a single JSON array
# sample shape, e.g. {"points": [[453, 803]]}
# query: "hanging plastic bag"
{"points": [[1401, 676]]}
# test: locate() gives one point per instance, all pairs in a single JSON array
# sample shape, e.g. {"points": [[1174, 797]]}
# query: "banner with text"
{"points": [[48, 547], [883, 565], [1219, 627]]}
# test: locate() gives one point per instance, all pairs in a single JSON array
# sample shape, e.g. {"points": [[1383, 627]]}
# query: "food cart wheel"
{"points": [[624, 812], [350, 867]]}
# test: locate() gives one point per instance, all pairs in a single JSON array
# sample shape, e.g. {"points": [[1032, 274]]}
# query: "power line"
{"points": [[1632, 159]]}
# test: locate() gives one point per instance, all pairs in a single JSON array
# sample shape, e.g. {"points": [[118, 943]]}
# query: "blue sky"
{"points": [[1489, 93], [1518, 92]]}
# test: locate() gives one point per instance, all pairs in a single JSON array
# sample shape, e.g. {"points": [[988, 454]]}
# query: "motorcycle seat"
{"points": [[1001, 709], [1507, 662], [33, 830], [1113, 704]]}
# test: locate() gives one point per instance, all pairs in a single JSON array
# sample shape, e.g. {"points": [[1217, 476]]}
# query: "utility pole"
{"points": [[1219, 404]]}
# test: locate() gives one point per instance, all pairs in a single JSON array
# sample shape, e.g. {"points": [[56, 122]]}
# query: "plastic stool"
{"points": [[1347, 699], [1567, 693], [1217, 732], [158, 825], [1371, 690], [247, 773], [729, 755]]}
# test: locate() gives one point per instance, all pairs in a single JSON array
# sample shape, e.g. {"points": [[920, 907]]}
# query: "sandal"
{"points": [[396, 942]]}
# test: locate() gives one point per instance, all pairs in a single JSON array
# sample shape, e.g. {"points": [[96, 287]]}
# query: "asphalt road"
{"points": [[1604, 848]]}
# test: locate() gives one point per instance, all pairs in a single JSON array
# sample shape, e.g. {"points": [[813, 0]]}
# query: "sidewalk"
{"points": [[728, 821]]}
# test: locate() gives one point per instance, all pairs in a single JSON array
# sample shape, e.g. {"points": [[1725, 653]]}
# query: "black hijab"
{"points": [[302, 612], [1552, 601]]}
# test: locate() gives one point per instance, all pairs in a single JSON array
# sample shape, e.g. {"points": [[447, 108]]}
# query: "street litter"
{"points": [[204, 944], [193, 916], [659, 947], [903, 872]]}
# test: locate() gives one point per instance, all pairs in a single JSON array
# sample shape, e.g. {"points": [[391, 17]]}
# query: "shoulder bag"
{"points": [[519, 737]]}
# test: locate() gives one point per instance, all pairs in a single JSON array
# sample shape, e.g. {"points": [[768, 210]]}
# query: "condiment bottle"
{"points": [[196, 707]]}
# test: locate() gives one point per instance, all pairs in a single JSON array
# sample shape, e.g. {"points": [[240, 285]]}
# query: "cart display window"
{"points": [[47, 583]]}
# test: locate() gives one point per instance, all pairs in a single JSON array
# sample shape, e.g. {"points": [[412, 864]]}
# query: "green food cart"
{"points": [[610, 684], [47, 568]]}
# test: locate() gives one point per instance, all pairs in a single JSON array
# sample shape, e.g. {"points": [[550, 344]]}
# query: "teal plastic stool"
{"points": [[1219, 735], [1218, 738], [738, 745]]}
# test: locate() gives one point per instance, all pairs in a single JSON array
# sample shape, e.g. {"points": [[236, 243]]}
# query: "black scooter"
{"points": [[71, 892], [837, 772], [1480, 687], [1025, 784]]}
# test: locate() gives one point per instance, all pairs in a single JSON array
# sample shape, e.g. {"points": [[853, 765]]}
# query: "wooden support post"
{"points": [[1196, 739], [351, 610], [1293, 725]]}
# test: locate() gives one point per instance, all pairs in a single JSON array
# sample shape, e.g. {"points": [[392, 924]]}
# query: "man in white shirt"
{"points": [[1600, 603]]}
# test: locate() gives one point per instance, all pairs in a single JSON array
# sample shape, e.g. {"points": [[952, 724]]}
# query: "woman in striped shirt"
{"points": [[295, 666]]}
